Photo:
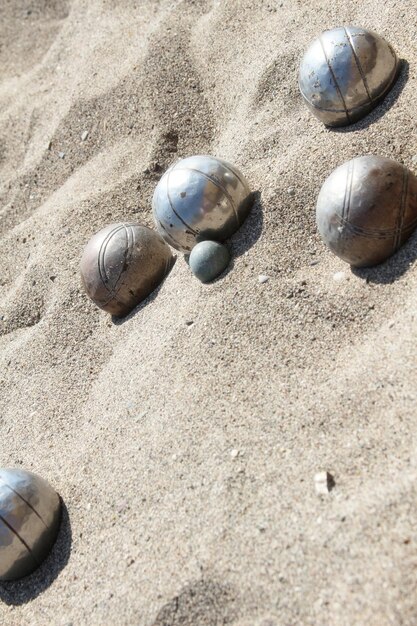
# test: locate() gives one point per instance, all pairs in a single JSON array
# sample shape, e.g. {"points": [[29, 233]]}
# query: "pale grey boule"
{"points": [[200, 198]]}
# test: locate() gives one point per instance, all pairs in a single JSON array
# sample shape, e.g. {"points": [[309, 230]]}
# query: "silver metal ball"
{"points": [[200, 198], [208, 259], [122, 264], [345, 73], [30, 513], [366, 209]]}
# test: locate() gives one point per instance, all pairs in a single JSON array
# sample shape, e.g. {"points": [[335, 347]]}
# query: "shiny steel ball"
{"points": [[208, 259], [30, 513], [366, 209], [345, 73], [199, 198], [122, 264]]}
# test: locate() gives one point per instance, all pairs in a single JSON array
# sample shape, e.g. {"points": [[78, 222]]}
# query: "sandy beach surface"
{"points": [[184, 439]]}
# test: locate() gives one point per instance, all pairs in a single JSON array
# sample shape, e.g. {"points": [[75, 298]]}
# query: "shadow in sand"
{"points": [[118, 321], [200, 602], [393, 268], [251, 229], [384, 106], [26, 589]]}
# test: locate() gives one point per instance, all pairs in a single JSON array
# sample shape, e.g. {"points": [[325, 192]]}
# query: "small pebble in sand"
{"points": [[324, 483], [208, 259], [234, 453], [84, 135], [339, 277], [291, 191], [263, 279], [61, 155]]}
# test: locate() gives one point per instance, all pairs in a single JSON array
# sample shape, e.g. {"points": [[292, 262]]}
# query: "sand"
{"points": [[186, 453]]}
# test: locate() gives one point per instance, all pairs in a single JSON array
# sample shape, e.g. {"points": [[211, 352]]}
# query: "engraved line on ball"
{"points": [[128, 252], [194, 232], [174, 244], [319, 108], [346, 203], [215, 182], [129, 248], [133, 240], [234, 171], [373, 233], [334, 79], [350, 191], [165, 230], [101, 253], [382, 95], [358, 63], [344, 218], [112, 293], [130, 235], [25, 501], [346, 190], [401, 212], [10, 527]]}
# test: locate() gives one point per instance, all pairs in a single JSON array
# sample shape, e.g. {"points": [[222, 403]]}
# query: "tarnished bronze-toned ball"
{"points": [[366, 209], [30, 513], [345, 73], [122, 264], [200, 198]]}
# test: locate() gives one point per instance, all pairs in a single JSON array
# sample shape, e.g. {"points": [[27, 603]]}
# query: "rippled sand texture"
{"points": [[135, 422]]}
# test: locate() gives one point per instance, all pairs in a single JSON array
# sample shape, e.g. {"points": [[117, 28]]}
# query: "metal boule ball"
{"points": [[208, 259], [345, 72], [122, 264], [30, 514], [199, 198], [366, 209]]}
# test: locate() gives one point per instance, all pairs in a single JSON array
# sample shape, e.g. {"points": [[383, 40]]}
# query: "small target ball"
{"points": [[366, 209], [30, 513], [122, 264], [208, 259], [200, 198]]}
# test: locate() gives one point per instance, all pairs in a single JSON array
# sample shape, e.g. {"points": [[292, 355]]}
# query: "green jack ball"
{"points": [[208, 259]]}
